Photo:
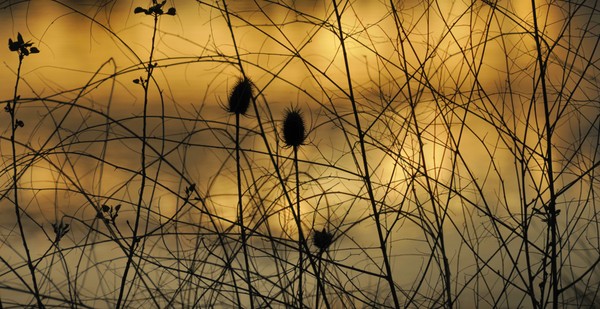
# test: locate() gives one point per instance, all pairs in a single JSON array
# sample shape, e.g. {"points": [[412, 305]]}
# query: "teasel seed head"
{"points": [[322, 239], [294, 131], [240, 97]]}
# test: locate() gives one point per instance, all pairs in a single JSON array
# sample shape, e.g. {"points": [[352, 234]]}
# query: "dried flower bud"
{"points": [[171, 11], [240, 97], [60, 229], [13, 46], [294, 131], [22, 47]]}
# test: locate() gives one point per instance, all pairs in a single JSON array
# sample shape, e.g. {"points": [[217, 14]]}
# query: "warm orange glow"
{"points": [[451, 194]]}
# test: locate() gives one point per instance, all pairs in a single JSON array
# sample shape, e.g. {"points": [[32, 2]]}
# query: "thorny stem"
{"points": [[318, 275], [13, 126], [366, 175], [250, 293], [241, 208], [299, 224], [551, 208]]}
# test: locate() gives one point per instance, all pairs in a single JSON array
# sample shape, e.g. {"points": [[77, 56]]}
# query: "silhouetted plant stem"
{"points": [[13, 127], [294, 134], [299, 224], [439, 241], [525, 227], [322, 240], [241, 208], [365, 163], [134, 238], [239, 102], [282, 184], [550, 209], [318, 278]]}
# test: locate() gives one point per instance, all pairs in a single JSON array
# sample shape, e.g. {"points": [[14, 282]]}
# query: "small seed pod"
{"points": [[294, 132], [240, 97], [322, 240]]}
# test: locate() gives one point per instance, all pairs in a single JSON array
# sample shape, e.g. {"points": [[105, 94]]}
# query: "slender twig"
{"points": [[299, 226], [135, 239], [241, 209], [365, 163], [551, 207], [14, 125], [238, 167]]}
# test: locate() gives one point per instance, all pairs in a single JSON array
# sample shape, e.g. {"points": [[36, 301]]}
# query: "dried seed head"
{"points": [[322, 239], [294, 132], [240, 97]]}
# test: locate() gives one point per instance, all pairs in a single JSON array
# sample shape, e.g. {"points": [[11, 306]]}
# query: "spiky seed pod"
{"points": [[294, 131], [322, 240], [240, 97]]}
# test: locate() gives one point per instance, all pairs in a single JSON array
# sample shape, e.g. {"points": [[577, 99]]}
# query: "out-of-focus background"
{"points": [[455, 110]]}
